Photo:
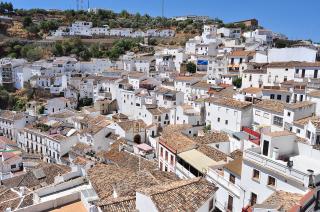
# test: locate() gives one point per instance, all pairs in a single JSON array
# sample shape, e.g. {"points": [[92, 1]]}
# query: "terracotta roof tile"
{"points": [[185, 195]]}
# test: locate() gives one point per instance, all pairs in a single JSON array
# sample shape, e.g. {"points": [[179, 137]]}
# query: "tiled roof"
{"points": [[10, 115], [127, 160], [293, 64], [271, 105], [284, 201], [212, 137], [29, 179], [252, 90], [201, 85], [315, 93], [212, 153], [241, 53], [298, 105], [236, 154], [128, 125], [255, 71], [226, 92], [173, 138], [122, 204], [229, 102], [185, 195], [158, 111], [315, 120], [279, 133], [107, 178], [8, 199]]}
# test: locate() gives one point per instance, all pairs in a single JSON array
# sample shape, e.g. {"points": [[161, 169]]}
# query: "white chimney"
{"points": [[114, 194], [22, 190], [275, 153]]}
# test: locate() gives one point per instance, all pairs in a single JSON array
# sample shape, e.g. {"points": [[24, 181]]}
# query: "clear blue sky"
{"points": [[298, 19]]}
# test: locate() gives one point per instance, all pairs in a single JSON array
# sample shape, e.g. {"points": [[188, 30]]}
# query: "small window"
{"points": [[226, 122], [218, 119], [171, 160], [256, 174], [289, 114], [253, 199], [278, 97], [272, 96], [232, 179], [271, 181], [211, 205], [298, 131]]}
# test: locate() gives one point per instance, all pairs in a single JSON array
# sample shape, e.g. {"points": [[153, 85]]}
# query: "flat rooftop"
{"points": [[303, 163]]}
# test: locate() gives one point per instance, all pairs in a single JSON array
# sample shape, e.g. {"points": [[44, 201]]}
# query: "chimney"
{"points": [[275, 155], [22, 190], [311, 178], [114, 194]]}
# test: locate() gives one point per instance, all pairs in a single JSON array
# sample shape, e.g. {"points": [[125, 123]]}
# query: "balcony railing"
{"points": [[184, 171], [221, 181]]}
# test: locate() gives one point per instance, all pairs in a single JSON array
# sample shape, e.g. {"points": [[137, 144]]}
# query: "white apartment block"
{"points": [[228, 114]]}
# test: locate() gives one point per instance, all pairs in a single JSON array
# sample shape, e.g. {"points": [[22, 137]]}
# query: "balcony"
{"points": [[180, 170], [279, 166], [219, 179]]}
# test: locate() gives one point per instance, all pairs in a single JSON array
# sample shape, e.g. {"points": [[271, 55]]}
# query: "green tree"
{"points": [[191, 67], [57, 49], [27, 21], [237, 82], [41, 110]]}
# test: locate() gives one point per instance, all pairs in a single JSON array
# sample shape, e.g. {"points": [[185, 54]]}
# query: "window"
{"points": [[13, 166], [288, 99], [278, 121], [211, 204], [171, 160], [230, 203], [161, 151], [166, 156], [297, 71], [226, 122], [255, 174], [218, 119], [278, 97], [253, 199], [308, 134], [272, 96], [298, 131], [271, 181], [232, 178], [289, 114], [285, 78]]}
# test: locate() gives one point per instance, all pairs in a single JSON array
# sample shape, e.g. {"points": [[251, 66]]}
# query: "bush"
{"points": [[191, 67], [237, 82]]}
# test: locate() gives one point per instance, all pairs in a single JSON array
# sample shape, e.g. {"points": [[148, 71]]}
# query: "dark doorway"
{"points": [[265, 148], [137, 139]]}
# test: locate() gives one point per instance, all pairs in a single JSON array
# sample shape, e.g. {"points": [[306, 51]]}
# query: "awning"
{"points": [[197, 159]]}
